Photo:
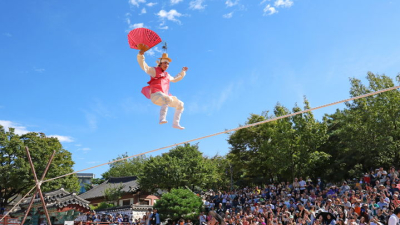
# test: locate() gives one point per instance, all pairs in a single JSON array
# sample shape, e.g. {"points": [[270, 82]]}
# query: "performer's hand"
{"points": [[185, 68], [141, 52]]}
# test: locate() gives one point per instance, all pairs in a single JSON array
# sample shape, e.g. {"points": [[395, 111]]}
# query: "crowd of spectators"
{"points": [[370, 200], [373, 199], [93, 217], [151, 217]]}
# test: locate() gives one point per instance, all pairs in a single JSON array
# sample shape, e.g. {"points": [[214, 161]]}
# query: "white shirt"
{"points": [[202, 218], [302, 185], [393, 220], [152, 72]]}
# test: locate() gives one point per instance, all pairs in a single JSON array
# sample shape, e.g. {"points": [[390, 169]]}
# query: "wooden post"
{"points": [[38, 184]]}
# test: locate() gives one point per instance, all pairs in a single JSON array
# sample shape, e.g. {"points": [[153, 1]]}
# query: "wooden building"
{"points": [[61, 205], [131, 193]]}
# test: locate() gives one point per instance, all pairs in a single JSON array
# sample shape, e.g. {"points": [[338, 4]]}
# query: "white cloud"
{"points": [[230, 3], [164, 28], [283, 3], [151, 4], [86, 149], [269, 10], [154, 50], [18, 128], [263, 1], [150, 52], [136, 2], [132, 26], [228, 15], [225, 94], [136, 25], [143, 11], [171, 15], [91, 120], [39, 70], [197, 4], [62, 138], [173, 2]]}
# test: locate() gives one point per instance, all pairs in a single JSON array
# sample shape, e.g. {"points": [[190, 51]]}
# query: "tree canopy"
{"points": [[179, 203], [362, 136], [366, 134], [15, 172], [126, 167], [183, 166]]}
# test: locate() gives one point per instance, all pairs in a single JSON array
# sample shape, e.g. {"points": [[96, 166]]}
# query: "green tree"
{"points": [[15, 172], [113, 193], [279, 149], [101, 205], [93, 183], [124, 168], [365, 135], [223, 171], [179, 203], [183, 166]]}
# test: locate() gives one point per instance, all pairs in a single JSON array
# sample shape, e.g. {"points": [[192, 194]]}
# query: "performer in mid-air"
{"points": [[158, 89]]}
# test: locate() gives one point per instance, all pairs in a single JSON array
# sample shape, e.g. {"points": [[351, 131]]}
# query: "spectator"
{"points": [[154, 218], [103, 218], [110, 218], [394, 218], [143, 220], [396, 201], [393, 188], [215, 219], [344, 188], [302, 185], [382, 204], [202, 218], [364, 213], [126, 219], [97, 219]]}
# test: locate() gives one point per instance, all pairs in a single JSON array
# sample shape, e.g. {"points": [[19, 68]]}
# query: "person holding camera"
{"points": [[154, 218]]}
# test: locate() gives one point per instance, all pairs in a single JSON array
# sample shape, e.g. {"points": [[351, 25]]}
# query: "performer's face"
{"points": [[164, 65]]}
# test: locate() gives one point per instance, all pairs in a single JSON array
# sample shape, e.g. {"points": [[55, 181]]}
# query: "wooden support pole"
{"points": [[38, 184]]}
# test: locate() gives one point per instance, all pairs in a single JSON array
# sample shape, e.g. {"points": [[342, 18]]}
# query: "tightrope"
{"points": [[231, 130]]}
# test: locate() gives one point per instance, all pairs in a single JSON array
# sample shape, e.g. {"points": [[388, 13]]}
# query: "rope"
{"points": [[1, 219], [231, 130]]}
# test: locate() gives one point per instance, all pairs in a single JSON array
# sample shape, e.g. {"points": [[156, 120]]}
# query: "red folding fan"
{"points": [[143, 39]]}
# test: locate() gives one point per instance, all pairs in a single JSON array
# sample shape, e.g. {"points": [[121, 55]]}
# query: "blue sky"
{"points": [[67, 69]]}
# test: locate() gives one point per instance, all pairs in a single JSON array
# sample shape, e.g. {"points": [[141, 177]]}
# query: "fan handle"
{"points": [[142, 47]]}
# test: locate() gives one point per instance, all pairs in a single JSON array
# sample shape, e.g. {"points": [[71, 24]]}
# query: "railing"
{"points": [[102, 223], [9, 221]]}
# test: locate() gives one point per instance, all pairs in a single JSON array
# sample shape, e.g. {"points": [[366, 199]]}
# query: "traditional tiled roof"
{"points": [[71, 199], [129, 185], [59, 198]]}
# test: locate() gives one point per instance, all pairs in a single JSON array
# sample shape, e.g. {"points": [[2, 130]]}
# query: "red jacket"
{"points": [[159, 83]]}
